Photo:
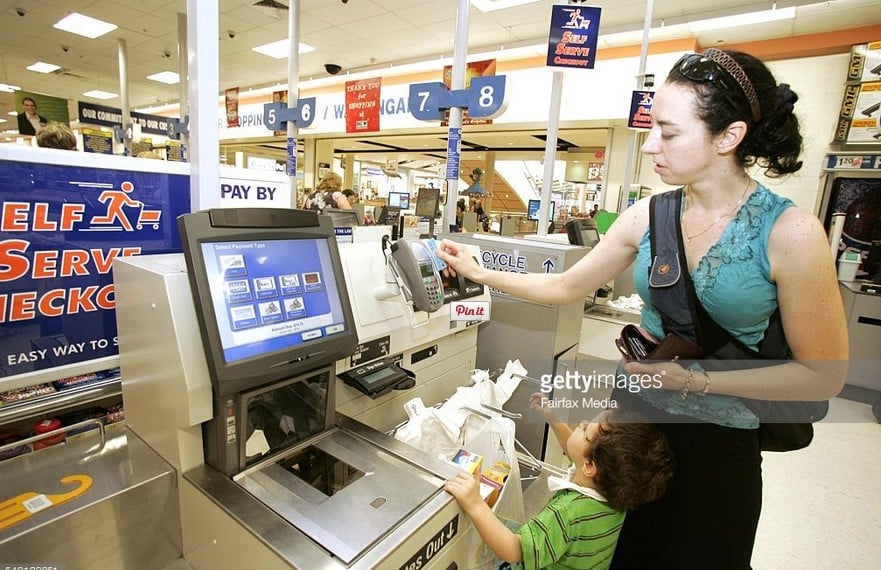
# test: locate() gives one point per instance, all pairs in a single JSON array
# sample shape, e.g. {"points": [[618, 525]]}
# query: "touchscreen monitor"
{"points": [[343, 218], [533, 207], [399, 200], [427, 201], [269, 292]]}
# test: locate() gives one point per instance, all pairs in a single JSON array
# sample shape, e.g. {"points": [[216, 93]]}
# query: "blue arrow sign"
{"points": [[425, 100], [277, 114], [548, 265], [485, 97]]}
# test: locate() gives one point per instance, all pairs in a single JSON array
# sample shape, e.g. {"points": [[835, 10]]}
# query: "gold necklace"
{"points": [[727, 213]]}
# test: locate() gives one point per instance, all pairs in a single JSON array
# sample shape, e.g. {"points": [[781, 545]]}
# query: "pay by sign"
{"points": [[266, 190]]}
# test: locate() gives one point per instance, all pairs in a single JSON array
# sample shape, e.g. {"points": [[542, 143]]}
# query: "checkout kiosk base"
{"points": [[344, 495]]}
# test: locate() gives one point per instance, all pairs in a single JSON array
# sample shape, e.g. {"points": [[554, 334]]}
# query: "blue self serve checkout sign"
{"points": [[572, 41]]}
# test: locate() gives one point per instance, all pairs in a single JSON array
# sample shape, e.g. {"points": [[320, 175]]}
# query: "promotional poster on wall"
{"points": [[36, 109]]}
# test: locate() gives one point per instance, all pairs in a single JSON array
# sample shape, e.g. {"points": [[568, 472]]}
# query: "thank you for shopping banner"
{"points": [[362, 105], [61, 227], [572, 41]]}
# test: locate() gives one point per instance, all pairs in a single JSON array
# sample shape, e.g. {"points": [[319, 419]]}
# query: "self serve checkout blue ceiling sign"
{"points": [[572, 41]]}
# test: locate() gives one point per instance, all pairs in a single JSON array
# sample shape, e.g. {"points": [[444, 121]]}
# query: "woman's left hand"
{"points": [[662, 375]]}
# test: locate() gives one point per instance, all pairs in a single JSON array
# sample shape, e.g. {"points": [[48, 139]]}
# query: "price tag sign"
{"points": [[291, 162], [454, 145]]}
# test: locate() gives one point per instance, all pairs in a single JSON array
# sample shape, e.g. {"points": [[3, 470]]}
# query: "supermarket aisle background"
{"points": [[822, 505]]}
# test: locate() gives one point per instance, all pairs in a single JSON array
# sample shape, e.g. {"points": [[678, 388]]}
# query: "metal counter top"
{"points": [[123, 462], [292, 543]]}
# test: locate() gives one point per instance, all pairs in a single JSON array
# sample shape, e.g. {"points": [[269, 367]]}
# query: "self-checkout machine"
{"points": [[417, 328], [229, 353], [543, 337]]}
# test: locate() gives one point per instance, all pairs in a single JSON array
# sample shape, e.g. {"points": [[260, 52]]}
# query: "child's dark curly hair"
{"points": [[633, 458]]}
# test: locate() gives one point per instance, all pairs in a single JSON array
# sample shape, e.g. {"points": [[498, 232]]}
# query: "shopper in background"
{"points": [[618, 463], [749, 251], [351, 196], [56, 135], [29, 122], [328, 194]]}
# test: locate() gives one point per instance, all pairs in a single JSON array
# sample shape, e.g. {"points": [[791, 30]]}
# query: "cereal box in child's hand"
{"points": [[468, 461]]}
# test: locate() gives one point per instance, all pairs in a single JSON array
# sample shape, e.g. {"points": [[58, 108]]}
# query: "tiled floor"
{"points": [[822, 505]]}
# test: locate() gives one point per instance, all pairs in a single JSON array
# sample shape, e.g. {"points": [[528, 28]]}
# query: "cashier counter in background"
{"points": [[383, 508]]}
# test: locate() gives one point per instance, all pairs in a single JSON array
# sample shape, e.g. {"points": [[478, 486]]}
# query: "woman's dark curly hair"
{"points": [[633, 458], [774, 142]]}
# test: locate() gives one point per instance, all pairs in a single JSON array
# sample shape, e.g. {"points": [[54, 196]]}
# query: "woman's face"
{"points": [[29, 107], [678, 142]]}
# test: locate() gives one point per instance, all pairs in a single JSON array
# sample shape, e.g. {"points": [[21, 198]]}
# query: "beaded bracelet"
{"points": [[706, 389], [684, 393]]}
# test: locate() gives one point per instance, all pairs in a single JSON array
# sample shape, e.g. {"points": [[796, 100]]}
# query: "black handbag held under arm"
{"points": [[783, 425]]}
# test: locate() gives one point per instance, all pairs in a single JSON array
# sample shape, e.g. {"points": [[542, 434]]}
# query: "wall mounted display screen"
{"points": [[533, 207], [270, 295], [399, 199]]}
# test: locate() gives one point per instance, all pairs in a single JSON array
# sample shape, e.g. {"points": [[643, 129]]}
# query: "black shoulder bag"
{"points": [[783, 425]]}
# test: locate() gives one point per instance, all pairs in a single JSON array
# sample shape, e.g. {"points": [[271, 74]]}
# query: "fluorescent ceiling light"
{"points": [[98, 94], [84, 26], [41, 67], [492, 5], [6, 88], [2, 120], [12, 113], [750, 18], [168, 77], [281, 48]]}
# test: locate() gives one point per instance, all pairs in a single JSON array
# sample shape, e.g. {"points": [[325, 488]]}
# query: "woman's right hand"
{"points": [[459, 260]]}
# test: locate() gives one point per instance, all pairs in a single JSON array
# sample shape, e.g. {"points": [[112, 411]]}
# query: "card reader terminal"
{"points": [[378, 377], [421, 279]]}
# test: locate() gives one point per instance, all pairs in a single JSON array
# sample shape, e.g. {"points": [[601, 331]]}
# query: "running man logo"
{"points": [[116, 218], [576, 20]]}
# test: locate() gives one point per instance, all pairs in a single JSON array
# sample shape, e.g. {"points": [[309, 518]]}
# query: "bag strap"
{"points": [[674, 296]]}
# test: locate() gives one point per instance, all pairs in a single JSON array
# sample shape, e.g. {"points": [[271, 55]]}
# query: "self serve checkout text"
{"points": [[23, 265]]}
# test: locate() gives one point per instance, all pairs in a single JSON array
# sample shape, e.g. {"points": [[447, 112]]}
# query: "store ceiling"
{"points": [[358, 35]]}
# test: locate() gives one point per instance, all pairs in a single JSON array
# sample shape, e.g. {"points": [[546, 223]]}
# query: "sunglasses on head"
{"points": [[700, 69]]}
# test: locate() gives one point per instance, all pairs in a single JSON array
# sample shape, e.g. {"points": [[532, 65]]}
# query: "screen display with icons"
{"points": [[271, 295]]}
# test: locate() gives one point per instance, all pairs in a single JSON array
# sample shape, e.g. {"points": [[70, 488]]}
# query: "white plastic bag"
{"points": [[426, 431], [494, 439]]}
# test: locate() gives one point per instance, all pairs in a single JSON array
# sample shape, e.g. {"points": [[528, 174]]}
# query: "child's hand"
{"points": [[464, 487], [539, 401]]}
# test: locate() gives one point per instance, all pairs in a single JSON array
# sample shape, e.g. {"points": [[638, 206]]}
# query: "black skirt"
{"points": [[708, 518]]}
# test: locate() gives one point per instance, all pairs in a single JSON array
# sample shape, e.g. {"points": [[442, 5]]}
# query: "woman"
{"points": [[748, 251], [328, 194]]}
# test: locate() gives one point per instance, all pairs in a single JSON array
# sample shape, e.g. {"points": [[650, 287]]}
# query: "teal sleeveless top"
{"points": [[733, 283]]}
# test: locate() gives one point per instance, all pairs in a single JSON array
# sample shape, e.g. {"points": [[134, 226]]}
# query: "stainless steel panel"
{"points": [[864, 332], [238, 520], [128, 518], [357, 516]]}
